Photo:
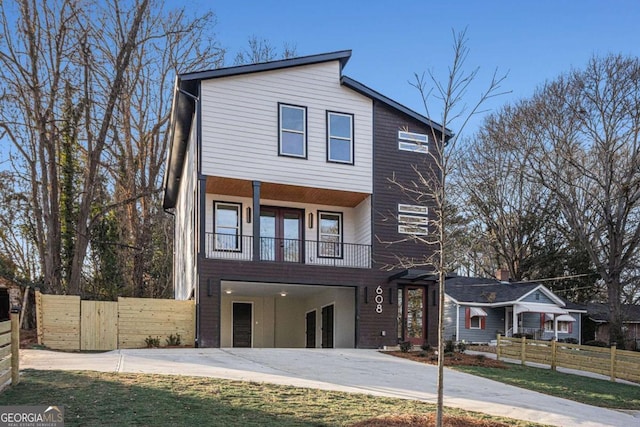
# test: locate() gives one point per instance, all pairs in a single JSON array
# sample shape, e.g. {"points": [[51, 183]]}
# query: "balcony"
{"points": [[311, 252]]}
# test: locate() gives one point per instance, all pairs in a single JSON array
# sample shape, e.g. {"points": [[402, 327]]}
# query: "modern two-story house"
{"points": [[278, 175]]}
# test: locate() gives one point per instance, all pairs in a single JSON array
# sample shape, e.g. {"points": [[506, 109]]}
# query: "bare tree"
{"points": [[585, 148], [119, 58], [431, 185], [261, 50]]}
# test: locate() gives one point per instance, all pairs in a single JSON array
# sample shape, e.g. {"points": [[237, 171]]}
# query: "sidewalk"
{"points": [[349, 370]]}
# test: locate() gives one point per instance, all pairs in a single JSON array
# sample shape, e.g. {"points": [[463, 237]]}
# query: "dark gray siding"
{"points": [[369, 323]]}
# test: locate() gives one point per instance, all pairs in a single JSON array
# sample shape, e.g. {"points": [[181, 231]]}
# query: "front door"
{"points": [[327, 326], [242, 322], [311, 329], [280, 234], [412, 315]]}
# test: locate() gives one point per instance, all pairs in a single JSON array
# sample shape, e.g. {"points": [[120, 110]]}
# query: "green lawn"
{"points": [[591, 391], [97, 399]]}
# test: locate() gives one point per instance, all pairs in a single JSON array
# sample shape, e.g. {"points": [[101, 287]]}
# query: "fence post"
{"points": [[15, 345], [613, 363], [554, 349], [498, 347], [523, 346]]}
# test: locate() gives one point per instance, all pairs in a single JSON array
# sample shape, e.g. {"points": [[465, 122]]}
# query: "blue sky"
{"points": [[532, 41]]}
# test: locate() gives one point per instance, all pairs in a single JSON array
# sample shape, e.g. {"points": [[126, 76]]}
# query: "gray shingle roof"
{"points": [[599, 312], [483, 290]]}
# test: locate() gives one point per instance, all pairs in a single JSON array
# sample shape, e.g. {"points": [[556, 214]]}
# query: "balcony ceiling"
{"points": [[259, 289], [283, 192]]}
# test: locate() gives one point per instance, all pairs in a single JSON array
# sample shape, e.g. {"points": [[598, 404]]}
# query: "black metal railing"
{"points": [[335, 254]]}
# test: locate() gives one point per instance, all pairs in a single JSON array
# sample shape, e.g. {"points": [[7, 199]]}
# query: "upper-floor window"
{"points": [[410, 141], [339, 137], [227, 226], [292, 130], [330, 234], [413, 219]]}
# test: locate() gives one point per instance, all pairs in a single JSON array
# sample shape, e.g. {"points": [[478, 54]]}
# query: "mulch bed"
{"points": [[455, 359]]}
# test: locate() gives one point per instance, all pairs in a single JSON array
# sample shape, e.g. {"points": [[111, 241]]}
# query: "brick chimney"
{"points": [[502, 274]]}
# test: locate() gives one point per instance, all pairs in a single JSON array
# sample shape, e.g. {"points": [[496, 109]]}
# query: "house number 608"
{"points": [[379, 299]]}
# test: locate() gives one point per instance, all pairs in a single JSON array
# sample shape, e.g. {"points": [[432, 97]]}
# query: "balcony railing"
{"points": [[334, 254]]}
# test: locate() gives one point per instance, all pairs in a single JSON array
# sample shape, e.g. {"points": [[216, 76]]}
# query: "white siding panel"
{"points": [[240, 128], [184, 258]]}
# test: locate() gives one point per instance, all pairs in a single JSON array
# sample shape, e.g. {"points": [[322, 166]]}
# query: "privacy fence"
{"points": [[617, 364], [9, 351], [67, 323]]}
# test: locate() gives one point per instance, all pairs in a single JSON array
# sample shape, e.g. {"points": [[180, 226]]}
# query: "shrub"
{"points": [[527, 336], [405, 346], [596, 343], [449, 346], [173, 340], [425, 347], [481, 357], [461, 346], [152, 342]]}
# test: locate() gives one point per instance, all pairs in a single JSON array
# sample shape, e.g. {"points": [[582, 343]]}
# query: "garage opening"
{"points": [[268, 315]]}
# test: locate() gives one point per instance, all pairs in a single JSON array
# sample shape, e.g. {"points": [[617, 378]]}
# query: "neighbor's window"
{"points": [[475, 322], [413, 219], [410, 141], [562, 326], [293, 131], [339, 137], [227, 226], [330, 234]]}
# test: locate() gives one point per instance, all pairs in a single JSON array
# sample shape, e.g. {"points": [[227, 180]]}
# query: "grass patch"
{"points": [[595, 392], [97, 399]]}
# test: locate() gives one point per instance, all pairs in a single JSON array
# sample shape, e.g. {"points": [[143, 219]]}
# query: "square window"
{"points": [[227, 226], [475, 322], [339, 137], [330, 235], [292, 131]]}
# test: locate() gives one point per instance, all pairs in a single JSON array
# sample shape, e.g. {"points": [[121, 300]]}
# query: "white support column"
{"points": [[555, 326], [515, 321]]}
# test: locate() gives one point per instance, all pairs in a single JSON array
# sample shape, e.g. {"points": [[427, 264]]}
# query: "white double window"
{"points": [[227, 226], [339, 137], [292, 130]]}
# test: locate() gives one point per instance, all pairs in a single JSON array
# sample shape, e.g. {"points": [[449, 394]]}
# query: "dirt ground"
{"points": [[28, 338]]}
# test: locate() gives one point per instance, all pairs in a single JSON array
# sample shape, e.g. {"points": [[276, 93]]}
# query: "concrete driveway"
{"points": [[350, 370]]}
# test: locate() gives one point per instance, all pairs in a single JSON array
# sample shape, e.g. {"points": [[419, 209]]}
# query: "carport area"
{"points": [[349, 370], [281, 315]]}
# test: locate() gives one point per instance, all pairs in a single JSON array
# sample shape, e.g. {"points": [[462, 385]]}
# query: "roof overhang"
{"points": [[370, 93], [531, 307]]}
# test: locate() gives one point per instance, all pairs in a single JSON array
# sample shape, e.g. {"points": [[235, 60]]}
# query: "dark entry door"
{"points": [[280, 234], [242, 322], [412, 315], [327, 326], [311, 329]]}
